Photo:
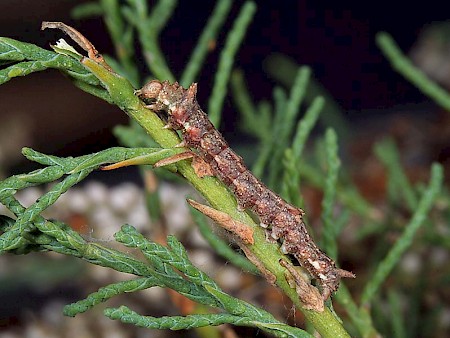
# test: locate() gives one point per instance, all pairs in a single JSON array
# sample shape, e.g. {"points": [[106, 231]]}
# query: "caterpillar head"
{"points": [[166, 96]]}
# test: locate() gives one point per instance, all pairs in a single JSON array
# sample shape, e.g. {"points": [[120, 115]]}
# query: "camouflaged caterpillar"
{"points": [[283, 220]]}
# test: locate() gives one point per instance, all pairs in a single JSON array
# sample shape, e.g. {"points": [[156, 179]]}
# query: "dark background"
{"points": [[336, 39]]}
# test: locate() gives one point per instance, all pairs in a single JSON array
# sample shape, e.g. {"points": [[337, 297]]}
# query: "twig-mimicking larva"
{"points": [[285, 221]]}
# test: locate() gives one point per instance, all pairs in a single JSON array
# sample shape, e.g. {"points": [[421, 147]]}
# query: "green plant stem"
{"points": [[285, 122], [209, 34], [282, 68], [397, 320], [216, 193], [164, 259], [249, 113], [242, 96], [333, 162], [360, 318], [126, 315], [405, 240], [414, 75], [122, 37], [86, 10], [268, 146], [221, 247], [149, 28], [107, 292], [388, 153], [347, 195], [76, 168], [234, 40], [293, 159]]}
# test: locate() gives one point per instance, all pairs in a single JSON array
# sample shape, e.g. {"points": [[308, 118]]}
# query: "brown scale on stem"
{"points": [[285, 221]]}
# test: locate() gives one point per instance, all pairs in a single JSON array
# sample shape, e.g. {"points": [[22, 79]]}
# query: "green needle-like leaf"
{"points": [[38, 59], [414, 75], [125, 315], [107, 292], [329, 230], [286, 121], [405, 240], [208, 36], [234, 39]]}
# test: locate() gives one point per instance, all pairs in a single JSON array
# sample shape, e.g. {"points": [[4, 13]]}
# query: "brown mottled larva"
{"points": [[285, 221]]}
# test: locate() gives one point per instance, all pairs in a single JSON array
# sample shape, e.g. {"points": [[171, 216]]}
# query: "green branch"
{"points": [[29, 58], [163, 263], [125, 315]]}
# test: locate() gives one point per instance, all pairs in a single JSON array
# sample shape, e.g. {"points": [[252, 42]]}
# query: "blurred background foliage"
{"points": [[389, 133]]}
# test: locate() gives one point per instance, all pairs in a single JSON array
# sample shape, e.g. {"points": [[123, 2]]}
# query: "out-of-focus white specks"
{"points": [[100, 274], [445, 317], [78, 327], [439, 256], [411, 263], [155, 294], [173, 199], [138, 216], [28, 196], [123, 197], [105, 222], [37, 330], [197, 239], [52, 312], [10, 335], [79, 203], [105, 210], [227, 276], [96, 193], [203, 260]]}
